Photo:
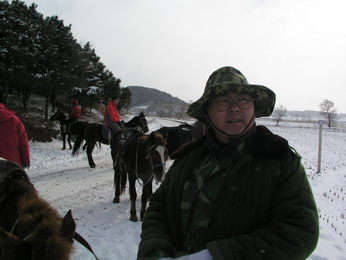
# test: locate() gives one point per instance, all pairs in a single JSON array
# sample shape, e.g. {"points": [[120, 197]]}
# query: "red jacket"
{"points": [[111, 114], [14, 145], [75, 110]]}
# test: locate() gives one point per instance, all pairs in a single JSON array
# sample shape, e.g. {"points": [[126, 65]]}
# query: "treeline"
{"points": [[39, 55]]}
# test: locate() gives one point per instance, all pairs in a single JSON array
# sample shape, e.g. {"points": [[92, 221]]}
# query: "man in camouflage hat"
{"points": [[239, 192]]}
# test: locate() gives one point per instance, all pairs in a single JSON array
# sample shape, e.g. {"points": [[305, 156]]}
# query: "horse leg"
{"points": [[69, 140], [63, 136], [89, 151], [133, 197], [147, 191]]}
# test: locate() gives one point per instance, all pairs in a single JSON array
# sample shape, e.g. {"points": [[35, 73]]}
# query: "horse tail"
{"points": [[77, 144], [123, 181]]}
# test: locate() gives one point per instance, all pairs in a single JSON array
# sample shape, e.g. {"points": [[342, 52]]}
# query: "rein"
{"points": [[25, 239], [83, 242]]}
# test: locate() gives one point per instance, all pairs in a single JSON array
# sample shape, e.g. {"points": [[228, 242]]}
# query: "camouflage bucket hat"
{"points": [[229, 79]]}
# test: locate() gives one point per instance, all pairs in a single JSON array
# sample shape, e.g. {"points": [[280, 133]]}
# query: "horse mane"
{"points": [[150, 139], [36, 223], [34, 209], [158, 138]]}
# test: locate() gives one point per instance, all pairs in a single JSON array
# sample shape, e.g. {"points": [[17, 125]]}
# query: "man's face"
{"points": [[232, 113]]}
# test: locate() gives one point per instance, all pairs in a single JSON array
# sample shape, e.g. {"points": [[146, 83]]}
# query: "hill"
{"points": [[143, 96], [156, 102]]}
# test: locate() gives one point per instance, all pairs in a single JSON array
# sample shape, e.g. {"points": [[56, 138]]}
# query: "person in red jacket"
{"points": [[112, 118], [75, 111], [73, 115], [14, 144]]}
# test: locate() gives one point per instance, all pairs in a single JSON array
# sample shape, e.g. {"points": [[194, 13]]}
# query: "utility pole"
{"points": [[320, 124]]}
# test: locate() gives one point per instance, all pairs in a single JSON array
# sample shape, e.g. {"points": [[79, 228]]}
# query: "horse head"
{"points": [[30, 228], [155, 151], [142, 122], [50, 241]]}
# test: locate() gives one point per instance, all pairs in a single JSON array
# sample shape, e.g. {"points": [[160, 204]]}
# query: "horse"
{"points": [[179, 135], [29, 227], [93, 134], [68, 128], [141, 159]]}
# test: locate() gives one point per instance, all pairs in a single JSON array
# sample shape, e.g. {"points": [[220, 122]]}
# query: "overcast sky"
{"points": [[297, 48]]}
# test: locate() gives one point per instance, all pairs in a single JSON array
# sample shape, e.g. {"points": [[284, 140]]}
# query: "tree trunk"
{"points": [[46, 109]]}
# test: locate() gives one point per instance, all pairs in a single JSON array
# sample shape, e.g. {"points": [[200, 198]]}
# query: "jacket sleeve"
{"points": [[155, 238], [293, 228], [23, 145]]}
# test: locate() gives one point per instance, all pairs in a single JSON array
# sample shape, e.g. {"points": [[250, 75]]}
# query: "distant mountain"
{"points": [[157, 103], [143, 96]]}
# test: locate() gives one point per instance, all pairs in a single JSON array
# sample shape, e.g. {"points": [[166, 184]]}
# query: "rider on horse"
{"points": [[112, 121], [73, 115]]}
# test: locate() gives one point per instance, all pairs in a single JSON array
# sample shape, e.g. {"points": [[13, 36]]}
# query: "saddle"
{"points": [[185, 134], [10, 169], [106, 133], [128, 134]]}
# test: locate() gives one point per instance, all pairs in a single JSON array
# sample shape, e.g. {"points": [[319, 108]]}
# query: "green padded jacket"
{"points": [[264, 209]]}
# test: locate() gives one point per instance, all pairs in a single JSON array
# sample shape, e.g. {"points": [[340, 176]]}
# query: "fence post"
{"points": [[320, 124]]}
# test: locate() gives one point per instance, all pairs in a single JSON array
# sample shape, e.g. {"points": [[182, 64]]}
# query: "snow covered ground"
{"points": [[69, 183]]}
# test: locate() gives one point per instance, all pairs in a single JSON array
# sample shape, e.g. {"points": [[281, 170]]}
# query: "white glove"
{"points": [[201, 255]]}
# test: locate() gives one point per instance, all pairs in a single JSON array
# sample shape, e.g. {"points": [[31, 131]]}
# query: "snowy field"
{"points": [[69, 183]]}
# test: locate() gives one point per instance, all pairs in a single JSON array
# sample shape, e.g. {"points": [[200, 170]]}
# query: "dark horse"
{"points": [[93, 134], [141, 159], [178, 135], [68, 128], [29, 227]]}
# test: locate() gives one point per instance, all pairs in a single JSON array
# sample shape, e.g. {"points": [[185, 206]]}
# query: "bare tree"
{"points": [[328, 111], [279, 113]]}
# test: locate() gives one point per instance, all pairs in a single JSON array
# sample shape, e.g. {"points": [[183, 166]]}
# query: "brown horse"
{"points": [[29, 227], [142, 159], [93, 134]]}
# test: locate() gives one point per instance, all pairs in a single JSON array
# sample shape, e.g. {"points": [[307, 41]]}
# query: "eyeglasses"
{"points": [[243, 102]]}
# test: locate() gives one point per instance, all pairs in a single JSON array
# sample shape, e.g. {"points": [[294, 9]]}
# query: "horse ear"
{"points": [[68, 225]]}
